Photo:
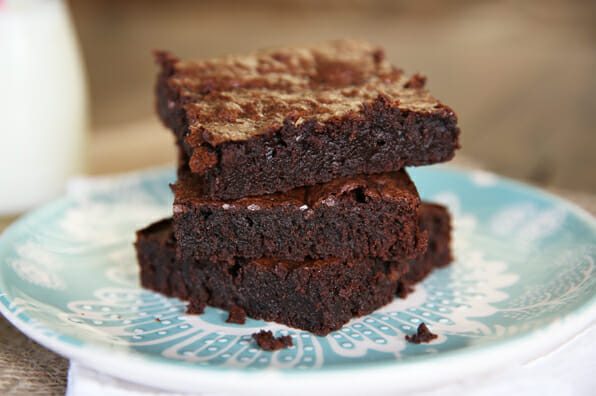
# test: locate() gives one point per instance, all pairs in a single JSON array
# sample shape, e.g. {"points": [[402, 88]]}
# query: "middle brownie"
{"points": [[353, 216]]}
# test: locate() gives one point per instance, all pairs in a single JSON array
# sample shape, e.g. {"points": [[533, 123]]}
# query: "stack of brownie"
{"points": [[291, 203]]}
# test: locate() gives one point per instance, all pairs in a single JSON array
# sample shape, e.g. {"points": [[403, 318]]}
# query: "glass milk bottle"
{"points": [[43, 103]]}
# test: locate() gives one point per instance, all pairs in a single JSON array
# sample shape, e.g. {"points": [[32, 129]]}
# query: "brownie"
{"points": [[315, 295], [266, 341], [436, 221], [236, 315], [278, 119], [353, 216], [423, 335]]}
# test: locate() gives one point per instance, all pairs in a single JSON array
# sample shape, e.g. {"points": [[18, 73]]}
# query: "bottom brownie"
{"points": [[315, 295]]}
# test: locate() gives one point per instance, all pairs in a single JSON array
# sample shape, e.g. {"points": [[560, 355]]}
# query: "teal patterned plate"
{"points": [[523, 283]]}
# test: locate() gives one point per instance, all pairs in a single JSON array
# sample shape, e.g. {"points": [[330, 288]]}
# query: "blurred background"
{"points": [[519, 74]]}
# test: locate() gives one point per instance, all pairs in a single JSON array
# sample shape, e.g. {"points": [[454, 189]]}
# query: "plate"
{"points": [[523, 282]]}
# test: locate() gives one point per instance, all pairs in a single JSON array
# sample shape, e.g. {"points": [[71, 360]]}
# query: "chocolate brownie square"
{"points": [[278, 119], [353, 216], [319, 296]]}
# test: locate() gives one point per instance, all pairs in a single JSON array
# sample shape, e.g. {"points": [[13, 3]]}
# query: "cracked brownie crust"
{"points": [[279, 119]]}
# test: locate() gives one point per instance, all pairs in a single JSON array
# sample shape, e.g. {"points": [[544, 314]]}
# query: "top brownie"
{"points": [[278, 119]]}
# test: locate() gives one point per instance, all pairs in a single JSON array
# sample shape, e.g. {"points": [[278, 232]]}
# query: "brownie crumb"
{"points": [[423, 335], [266, 341], [236, 315], [195, 305]]}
